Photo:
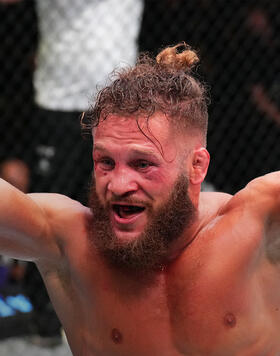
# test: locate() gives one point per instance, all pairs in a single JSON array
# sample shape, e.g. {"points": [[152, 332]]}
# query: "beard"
{"points": [[150, 251]]}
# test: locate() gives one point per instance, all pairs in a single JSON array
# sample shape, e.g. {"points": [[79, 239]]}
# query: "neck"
{"points": [[186, 239]]}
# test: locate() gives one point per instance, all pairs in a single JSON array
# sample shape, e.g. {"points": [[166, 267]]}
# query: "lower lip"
{"points": [[126, 221]]}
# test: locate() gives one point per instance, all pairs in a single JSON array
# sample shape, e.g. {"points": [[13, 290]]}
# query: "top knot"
{"points": [[183, 60]]}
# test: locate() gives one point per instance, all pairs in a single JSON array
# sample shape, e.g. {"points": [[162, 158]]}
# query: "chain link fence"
{"points": [[238, 42], [54, 54]]}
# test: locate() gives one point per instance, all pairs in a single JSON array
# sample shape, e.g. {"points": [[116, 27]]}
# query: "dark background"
{"points": [[238, 42]]}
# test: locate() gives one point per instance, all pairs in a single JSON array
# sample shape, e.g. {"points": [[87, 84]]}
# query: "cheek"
{"points": [[157, 184], [98, 170], [155, 174], [101, 176], [164, 177], [100, 185]]}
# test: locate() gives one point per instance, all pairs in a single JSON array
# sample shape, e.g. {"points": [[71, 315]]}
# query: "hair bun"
{"points": [[183, 60]]}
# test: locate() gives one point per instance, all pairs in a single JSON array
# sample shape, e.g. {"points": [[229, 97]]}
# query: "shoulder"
{"points": [[55, 201], [235, 225], [267, 184], [259, 200], [211, 203]]}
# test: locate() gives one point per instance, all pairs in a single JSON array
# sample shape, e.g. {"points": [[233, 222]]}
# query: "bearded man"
{"points": [[153, 266]]}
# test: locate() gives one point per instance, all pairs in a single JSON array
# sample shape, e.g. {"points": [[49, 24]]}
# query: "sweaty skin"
{"points": [[220, 293]]}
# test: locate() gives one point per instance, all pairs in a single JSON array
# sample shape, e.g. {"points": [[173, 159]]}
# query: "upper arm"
{"points": [[29, 223], [260, 198], [268, 190]]}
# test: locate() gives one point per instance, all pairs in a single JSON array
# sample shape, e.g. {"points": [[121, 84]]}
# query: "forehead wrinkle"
{"points": [[116, 123], [146, 152], [154, 133], [155, 127], [133, 151]]}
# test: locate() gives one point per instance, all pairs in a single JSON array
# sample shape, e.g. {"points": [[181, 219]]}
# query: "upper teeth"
{"points": [[127, 209]]}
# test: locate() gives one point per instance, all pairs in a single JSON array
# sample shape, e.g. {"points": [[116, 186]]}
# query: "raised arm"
{"points": [[267, 190], [265, 193], [261, 196], [25, 230], [259, 205]]}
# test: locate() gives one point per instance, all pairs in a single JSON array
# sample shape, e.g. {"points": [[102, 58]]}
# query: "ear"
{"points": [[199, 165]]}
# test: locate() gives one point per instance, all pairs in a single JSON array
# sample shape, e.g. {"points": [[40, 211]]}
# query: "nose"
{"points": [[122, 182]]}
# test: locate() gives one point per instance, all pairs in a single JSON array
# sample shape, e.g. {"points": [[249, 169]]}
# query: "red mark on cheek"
{"points": [[154, 175], [116, 336], [99, 171], [230, 320]]}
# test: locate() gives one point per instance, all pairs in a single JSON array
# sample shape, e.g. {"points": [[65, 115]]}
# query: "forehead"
{"points": [[153, 131]]}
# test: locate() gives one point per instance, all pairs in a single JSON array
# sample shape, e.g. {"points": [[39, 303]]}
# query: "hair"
{"points": [[163, 84]]}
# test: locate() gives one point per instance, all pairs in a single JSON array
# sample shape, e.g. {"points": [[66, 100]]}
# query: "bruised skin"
{"points": [[142, 166], [139, 196]]}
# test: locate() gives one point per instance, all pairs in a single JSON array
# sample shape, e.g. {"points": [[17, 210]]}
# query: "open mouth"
{"points": [[127, 211]]}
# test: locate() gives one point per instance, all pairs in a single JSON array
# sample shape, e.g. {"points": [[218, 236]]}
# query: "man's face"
{"points": [[139, 196]]}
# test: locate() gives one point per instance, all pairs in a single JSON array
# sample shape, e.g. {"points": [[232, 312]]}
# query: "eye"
{"points": [[105, 163], [142, 164]]}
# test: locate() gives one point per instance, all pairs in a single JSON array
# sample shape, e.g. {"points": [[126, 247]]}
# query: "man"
{"points": [[155, 267]]}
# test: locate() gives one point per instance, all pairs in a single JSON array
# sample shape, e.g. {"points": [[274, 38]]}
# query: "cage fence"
{"points": [[55, 54]]}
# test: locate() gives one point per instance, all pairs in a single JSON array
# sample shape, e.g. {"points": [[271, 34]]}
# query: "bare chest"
{"points": [[225, 306], [173, 317], [199, 306], [126, 319]]}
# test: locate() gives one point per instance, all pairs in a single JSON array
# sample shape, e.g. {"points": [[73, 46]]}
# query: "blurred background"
{"points": [[55, 54]]}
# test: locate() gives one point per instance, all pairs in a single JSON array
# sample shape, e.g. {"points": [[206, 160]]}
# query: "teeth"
{"points": [[126, 210]]}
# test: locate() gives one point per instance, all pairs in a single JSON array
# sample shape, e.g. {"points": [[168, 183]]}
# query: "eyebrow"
{"points": [[98, 147]]}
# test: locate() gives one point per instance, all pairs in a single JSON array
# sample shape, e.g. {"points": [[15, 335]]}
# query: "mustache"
{"points": [[115, 198], [128, 201]]}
